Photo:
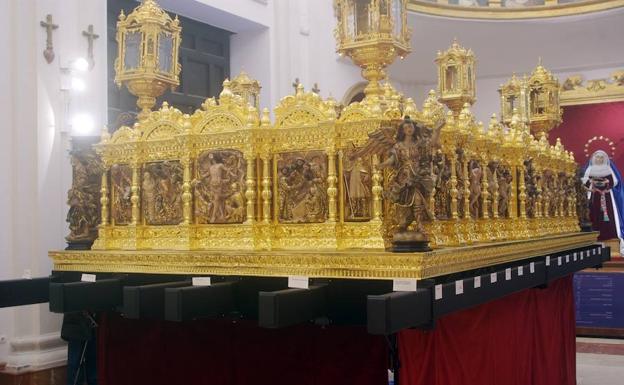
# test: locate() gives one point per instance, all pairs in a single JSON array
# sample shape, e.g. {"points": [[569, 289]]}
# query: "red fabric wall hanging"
{"points": [[527, 338], [584, 124]]}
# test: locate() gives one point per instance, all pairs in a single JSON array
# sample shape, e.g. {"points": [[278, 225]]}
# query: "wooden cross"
{"points": [[48, 53], [296, 84], [90, 35], [315, 89]]}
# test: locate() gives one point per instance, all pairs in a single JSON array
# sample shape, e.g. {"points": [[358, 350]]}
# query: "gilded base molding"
{"points": [[361, 264]]}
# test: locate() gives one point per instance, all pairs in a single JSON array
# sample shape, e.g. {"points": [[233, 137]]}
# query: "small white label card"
{"points": [[27, 274], [477, 281], [87, 278], [508, 273], [201, 281], [548, 260], [403, 284], [568, 258], [559, 261], [582, 254], [438, 292], [532, 267], [299, 282], [594, 251], [575, 256], [493, 277], [520, 271], [459, 287]]}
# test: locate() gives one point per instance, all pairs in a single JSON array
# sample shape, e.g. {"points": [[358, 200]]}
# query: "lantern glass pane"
{"points": [[450, 78], [132, 50], [165, 52], [362, 17], [396, 18]]}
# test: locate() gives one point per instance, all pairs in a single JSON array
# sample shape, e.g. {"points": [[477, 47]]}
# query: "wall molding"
{"points": [[576, 90]]}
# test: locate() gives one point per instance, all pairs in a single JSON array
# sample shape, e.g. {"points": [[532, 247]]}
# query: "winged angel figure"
{"points": [[408, 153]]}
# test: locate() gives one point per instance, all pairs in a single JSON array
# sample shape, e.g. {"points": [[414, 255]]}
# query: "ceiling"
{"points": [[566, 44]]}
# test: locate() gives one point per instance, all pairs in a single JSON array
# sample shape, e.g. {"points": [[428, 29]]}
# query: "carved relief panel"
{"points": [[219, 186], [162, 193], [302, 187], [121, 192]]}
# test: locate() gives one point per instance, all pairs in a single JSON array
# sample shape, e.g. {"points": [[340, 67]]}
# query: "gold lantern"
{"points": [[456, 77], [247, 88], [543, 96], [514, 98], [373, 33], [147, 57]]}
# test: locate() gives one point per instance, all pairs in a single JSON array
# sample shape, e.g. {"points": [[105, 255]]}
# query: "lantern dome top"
{"points": [[541, 74], [149, 10], [243, 79], [455, 50]]}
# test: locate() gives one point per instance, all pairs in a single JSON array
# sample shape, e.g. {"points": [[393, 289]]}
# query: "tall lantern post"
{"points": [[147, 57], [372, 33], [543, 96], [456, 77]]}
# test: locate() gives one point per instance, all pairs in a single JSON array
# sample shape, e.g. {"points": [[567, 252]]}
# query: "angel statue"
{"points": [[409, 156]]}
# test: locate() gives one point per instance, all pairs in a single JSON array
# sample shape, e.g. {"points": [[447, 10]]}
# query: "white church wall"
{"points": [[35, 156]]}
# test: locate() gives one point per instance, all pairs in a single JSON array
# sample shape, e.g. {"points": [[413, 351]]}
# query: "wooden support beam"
{"points": [[391, 312], [101, 295], [147, 301], [193, 302], [282, 308], [18, 292]]}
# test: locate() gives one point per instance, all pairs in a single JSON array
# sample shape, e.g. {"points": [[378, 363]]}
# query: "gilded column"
{"points": [[250, 193], [522, 192], [485, 193], [495, 196], [134, 199], [466, 171], [332, 191], [513, 204], [186, 191], [376, 190], [266, 190], [104, 197]]}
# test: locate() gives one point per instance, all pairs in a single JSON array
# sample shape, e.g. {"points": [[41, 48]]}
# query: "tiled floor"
{"points": [[594, 367]]}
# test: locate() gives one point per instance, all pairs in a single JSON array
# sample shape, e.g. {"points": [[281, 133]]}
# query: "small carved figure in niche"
{"points": [[504, 191], [358, 186], [582, 202], [121, 184], [84, 199], [475, 189], [219, 187], [164, 190], [302, 187], [459, 172], [442, 199], [410, 161]]}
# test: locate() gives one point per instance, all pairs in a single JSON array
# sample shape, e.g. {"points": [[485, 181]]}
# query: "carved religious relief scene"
{"points": [[83, 197], [302, 187], [530, 183], [475, 200], [492, 186], [357, 181], [121, 194], [442, 197], [219, 187], [162, 193], [504, 180]]}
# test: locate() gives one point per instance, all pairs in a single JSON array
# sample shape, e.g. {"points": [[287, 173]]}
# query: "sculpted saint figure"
{"points": [[475, 190], [409, 157], [358, 193]]}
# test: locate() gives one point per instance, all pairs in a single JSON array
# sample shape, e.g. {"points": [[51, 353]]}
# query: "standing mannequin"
{"points": [[606, 197]]}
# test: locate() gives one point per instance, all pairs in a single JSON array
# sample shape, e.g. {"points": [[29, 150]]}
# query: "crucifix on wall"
{"points": [[91, 36], [48, 53]]}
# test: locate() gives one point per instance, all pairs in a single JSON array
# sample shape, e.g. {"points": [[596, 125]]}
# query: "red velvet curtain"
{"points": [[527, 338], [584, 122], [225, 353]]}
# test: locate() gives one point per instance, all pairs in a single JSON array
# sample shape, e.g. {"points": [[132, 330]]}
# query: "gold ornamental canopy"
{"points": [[247, 88], [373, 33], [456, 77], [147, 57], [543, 93]]}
